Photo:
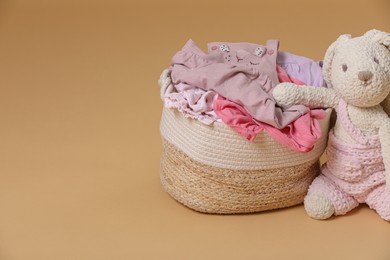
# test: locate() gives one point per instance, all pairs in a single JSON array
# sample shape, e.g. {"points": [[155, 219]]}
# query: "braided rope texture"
{"points": [[216, 190], [219, 146], [212, 169]]}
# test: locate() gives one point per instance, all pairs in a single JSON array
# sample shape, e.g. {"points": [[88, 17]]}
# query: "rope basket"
{"points": [[212, 169]]}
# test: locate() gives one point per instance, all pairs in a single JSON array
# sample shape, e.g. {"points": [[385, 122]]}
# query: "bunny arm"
{"points": [[288, 94], [384, 137]]}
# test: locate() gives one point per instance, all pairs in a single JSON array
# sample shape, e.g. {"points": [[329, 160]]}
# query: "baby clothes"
{"points": [[298, 67], [245, 78], [284, 77], [263, 58], [302, 68], [300, 135], [197, 103], [360, 175], [193, 102]]}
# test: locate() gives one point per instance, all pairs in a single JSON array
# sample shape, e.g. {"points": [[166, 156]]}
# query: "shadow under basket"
{"points": [[212, 169]]}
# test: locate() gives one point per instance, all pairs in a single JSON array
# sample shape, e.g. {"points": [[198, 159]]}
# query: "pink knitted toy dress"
{"points": [[354, 173]]}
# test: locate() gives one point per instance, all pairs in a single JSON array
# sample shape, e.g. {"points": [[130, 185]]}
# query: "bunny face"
{"points": [[359, 69]]}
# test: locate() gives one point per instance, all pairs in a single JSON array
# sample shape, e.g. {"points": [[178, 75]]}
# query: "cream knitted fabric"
{"points": [[357, 70], [352, 173]]}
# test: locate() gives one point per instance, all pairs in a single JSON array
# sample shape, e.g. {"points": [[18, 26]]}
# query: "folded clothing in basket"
{"points": [[193, 102], [243, 76], [247, 80], [298, 67], [300, 135]]}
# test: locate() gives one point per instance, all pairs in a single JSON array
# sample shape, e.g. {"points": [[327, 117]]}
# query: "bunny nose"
{"points": [[365, 75]]}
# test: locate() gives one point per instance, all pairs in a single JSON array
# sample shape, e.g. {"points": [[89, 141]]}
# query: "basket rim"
{"points": [[208, 144]]}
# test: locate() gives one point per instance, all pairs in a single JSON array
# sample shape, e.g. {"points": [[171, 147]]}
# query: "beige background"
{"points": [[79, 137]]}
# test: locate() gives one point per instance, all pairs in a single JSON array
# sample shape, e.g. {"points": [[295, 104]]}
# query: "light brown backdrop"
{"points": [[79, 137]]}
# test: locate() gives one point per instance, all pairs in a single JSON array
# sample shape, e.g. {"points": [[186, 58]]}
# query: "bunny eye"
{"points": [[345, 67], [376, 60]]}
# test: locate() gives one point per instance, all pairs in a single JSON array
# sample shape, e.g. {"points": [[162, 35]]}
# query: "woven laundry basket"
{"points": [[213, 169]]}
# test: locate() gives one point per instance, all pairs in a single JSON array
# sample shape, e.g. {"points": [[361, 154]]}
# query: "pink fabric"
{"points": [[197, 103], [301, 135], [354, 173], [193, 102], [248, 81], [284, 77]]}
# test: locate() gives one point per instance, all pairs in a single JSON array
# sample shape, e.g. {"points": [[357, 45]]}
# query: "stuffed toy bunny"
{"points": [[357, 71]]}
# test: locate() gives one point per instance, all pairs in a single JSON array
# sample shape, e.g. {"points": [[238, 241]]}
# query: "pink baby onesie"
{"points": [[354, 173], [248, 80]]}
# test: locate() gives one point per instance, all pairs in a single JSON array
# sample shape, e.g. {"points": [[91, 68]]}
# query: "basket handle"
{"points": [[165, 83]]}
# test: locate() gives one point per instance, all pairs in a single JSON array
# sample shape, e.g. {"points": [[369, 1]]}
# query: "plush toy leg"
{"points": [[318, 206], [379, 200], [324, 199]]}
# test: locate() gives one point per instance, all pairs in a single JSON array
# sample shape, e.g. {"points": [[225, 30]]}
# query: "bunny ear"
{"points": [[326, 68], [379, 36]]}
